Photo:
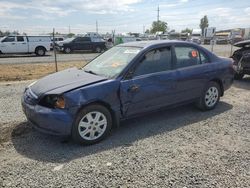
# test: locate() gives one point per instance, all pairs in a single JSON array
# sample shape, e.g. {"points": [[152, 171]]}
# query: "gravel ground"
{"points": [[179, 147]]}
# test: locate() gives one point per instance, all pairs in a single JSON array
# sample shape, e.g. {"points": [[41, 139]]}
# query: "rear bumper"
{"points": [[228, 82], [49, 121]]}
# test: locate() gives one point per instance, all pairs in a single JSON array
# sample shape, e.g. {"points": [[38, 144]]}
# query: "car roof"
{"points": [[242, 43], [156, 43], [144, 44]]}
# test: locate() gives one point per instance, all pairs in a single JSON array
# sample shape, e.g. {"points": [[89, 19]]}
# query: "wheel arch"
{"points": [[219, 81], [40, 47]]}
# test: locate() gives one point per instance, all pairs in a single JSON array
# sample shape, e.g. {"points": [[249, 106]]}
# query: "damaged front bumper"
{"points": [[48, 120]]}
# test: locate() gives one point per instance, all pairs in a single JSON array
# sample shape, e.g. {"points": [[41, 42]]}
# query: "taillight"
{"points": [[233, 64]]}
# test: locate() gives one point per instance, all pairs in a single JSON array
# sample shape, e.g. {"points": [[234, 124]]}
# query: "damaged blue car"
{"points": [[126, 81]]}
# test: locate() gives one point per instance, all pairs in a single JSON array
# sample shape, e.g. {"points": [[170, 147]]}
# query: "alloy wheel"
{"points": [[211, 96], [92, 125]]}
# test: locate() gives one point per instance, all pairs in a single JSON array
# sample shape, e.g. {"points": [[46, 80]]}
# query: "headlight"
{"points": [[53, 101], [60, 102]]}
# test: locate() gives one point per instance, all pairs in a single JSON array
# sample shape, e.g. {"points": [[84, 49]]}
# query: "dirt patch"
{"points": [[17, 72], [15, 130]]}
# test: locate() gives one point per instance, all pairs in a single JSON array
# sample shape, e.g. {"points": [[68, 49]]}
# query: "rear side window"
{"points": [[189, 56], [157, 60], [20, 39], [203, 58]]}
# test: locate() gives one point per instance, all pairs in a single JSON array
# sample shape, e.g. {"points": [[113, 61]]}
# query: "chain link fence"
{"points": [[225, 50]]}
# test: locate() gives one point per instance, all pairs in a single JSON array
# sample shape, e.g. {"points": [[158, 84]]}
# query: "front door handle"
{"points": [[13, 43], [133, 88]]}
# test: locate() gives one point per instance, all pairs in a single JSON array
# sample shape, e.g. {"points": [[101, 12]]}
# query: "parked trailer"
{"points": [[209, 33]]}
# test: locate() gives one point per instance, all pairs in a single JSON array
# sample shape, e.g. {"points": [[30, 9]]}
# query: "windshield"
{"points": [[68, 39], [112, 62], [2, 38]]}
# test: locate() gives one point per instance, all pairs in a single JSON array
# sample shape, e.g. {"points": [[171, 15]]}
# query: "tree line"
{"points": [[162, 26]]}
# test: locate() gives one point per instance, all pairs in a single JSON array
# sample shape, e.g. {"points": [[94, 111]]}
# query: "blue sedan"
{"points": [[126, 81]]}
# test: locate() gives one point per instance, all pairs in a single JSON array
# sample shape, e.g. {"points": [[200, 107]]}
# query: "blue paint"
{"points": [[156, 90]]}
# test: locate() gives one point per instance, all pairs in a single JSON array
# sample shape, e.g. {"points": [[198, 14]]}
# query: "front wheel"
{"points": [[67, 50], [98, 49], [92, 124], [210, 97]]}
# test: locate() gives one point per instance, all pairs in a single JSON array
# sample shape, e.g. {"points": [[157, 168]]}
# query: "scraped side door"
{"points": [[153, 84]]}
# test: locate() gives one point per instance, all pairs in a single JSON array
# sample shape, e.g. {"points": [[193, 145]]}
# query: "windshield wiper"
{"points": [[89, 71]]}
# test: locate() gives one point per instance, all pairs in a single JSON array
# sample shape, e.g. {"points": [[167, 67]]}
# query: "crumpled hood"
{"points": [[63, 81]]}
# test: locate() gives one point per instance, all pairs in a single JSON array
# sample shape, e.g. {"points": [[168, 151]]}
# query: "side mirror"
{"points": [[129, 74]]}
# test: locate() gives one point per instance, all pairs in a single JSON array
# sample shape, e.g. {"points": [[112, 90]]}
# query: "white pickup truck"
{"points": [[25, 44]]}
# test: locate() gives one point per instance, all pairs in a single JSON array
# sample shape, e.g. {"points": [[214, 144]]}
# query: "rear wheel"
{"points": [[92, 124], [40, 51], [210, 97]]}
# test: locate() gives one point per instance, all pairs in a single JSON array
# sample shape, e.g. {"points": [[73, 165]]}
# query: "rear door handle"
{"points": [[24, 43], [13, 43], [133, 88]]}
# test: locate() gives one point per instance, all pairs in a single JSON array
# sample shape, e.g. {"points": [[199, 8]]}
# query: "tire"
{"points": [[86, 126], [210, 97], [238, 76], [67, 50], [40, 51], [98, 49]]}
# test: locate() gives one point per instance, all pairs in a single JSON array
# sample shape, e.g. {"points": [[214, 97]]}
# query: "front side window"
{"points": [[82, 39], [157, 60], [9, 39], [86, 39], [189, 56], [111, 63], [79, 39]]}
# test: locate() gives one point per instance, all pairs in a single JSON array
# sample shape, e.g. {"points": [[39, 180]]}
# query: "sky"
{"points": [[80, 16]]}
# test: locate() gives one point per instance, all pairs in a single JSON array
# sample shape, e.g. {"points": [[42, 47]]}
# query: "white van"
{"points": [[23, 44]]}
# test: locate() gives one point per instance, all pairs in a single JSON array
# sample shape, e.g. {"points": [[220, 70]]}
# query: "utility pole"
{"points": [[158, 14], [69, 29], [143, 30], [158, 18], [96, 26], [54, 49]]}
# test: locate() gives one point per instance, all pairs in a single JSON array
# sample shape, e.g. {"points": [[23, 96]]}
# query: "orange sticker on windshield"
{"points": [[194, 53], [115, 64]]}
